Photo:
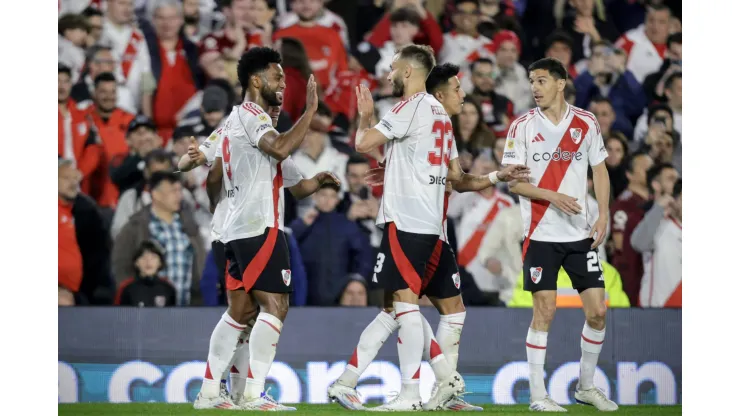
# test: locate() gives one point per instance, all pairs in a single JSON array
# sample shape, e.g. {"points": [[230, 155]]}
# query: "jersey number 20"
{"points": [[226, 159], [442, 130]]}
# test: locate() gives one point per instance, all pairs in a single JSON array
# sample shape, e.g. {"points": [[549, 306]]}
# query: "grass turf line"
{"points": [[162, 409]]}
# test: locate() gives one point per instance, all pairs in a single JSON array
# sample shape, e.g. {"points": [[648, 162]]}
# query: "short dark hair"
{"points": [[64, 69], [558, 36], [659, 8], [673, 38], [71, 22], [159, 177], [658, 107], [459, 2], [153, 246], [677, 188], [405, 14], [159, 156], [357, 159], [480, 61], [601, 100], [255, 61], [674, 76], [631, 160], [104, 77], [440, 75], [94, 50], [329, 185], [91, 11], [655, 171], [551, 65], [422, 54]]}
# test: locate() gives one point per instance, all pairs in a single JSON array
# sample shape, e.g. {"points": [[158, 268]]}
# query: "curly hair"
{"points": [[255, 61]]}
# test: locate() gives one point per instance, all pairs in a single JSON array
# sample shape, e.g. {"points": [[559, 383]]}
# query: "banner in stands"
{"points": [[144, 355]]}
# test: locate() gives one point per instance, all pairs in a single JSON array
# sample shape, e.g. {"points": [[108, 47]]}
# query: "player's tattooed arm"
{"points": [[280, 146], [367, 139], [214, 182], [307, 187]]}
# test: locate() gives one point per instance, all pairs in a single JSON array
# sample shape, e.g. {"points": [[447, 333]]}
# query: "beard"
{"points": [[397, 87], [270, 96]]}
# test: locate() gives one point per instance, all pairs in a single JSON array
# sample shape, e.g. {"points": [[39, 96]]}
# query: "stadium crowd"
{"points": [[140, 79]]}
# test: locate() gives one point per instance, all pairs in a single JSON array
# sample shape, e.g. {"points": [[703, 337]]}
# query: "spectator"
{"points": [[354, 292], [201, 122], [617, 160], [324, 45], [128, 45], [587, 23], [94, 18], [70, 257], [608, 77], [654, 84], [674, 98], [512, 80], [87, 239], [471, 133], [662, 142], [559, 45], [235, 37], [497, 110], [570, 92], [173, 228], [331, 246], [297, 72], [141, 137], [111, 123], [429, 34], [404, 26], [99, 60], [607, 118], [645, 45], [626, 212], [313, 10], [658, 237], [191, 21], [77, 140], [146, 288], [358, 202], [464, 44], [175, 74], [72, 40]]}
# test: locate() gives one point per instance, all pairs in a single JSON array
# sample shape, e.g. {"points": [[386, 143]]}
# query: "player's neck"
{"points": [[639, 190], [556, 112], [413, 88], [255, 97]]}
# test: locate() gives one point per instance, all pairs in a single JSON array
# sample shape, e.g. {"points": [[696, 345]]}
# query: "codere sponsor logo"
{"points": [[557, 155]]}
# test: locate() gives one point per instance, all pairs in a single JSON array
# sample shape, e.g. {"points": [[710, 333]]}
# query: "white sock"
{"points": [[410, 348], [448, 335], [536, 351], [433, 353], [240, 365], [262, 346], [371, 339], [224, 339], [591, 342]]}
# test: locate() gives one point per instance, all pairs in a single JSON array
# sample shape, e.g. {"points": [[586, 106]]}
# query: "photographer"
{"points": [[608, 77]]}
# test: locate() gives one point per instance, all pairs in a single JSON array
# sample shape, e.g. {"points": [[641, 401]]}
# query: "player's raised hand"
{"points": [[312, 97], [365, 104], [375, 177], [327, 177], [598, 232], [565, 203], [513, 172]]}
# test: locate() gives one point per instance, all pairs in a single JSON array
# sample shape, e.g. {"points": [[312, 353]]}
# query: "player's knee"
{"points": [[276, 306], [596, 317], [544, 312], [449, 306], [249, 315]]}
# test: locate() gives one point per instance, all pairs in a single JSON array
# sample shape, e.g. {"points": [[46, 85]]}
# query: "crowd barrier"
{"points": [[158, 354]]}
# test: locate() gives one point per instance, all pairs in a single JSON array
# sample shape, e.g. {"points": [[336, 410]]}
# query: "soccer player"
{"points": [[558, 142], [256, 168], [441, 281]]}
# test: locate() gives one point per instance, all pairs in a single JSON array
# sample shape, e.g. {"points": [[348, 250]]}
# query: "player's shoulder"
{"points": [[410, 105], [521, 121], [250, 110], [587, 117]]}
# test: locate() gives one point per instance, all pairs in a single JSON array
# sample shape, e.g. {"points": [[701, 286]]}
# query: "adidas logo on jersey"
{"points": [[538, 138]]}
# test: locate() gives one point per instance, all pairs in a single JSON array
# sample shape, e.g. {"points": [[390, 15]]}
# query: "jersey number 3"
{"points": [[226, 159], [442, 130]]}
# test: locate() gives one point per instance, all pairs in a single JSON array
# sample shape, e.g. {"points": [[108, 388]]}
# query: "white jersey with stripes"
{"points": [[558, 157], [417, 157]]}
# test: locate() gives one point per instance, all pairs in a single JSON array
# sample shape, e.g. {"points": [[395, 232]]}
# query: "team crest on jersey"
{"points": [[575, 134], [263, 117], [213, 136], [536, 274], [510, 144], [286, 277], [456, 280]]}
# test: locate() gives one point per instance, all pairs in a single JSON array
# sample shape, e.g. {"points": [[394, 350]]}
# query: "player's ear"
{"points": [[438, 95], [256, 81], [561, 85]]}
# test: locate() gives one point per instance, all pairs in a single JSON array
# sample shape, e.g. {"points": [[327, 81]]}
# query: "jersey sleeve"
{"points": [[256, 123], [453, 150], [291, 175], [397, 121], [210, 146], [596, 150], [515, 150]]}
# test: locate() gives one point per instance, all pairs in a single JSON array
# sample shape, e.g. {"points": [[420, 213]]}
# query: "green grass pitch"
{"points": [[157, 409]]}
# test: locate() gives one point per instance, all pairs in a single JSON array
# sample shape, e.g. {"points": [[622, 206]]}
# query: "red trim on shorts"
{"points": [[590, 341], [432, 265], [553, 176], [407, 271], [537, 347]]}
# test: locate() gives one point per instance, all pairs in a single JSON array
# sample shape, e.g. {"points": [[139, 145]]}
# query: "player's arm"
{"points": [[597, 159], [368, 139], [200, 155], [465, 182], [214, 183], [307, 187], [282, 145]]}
